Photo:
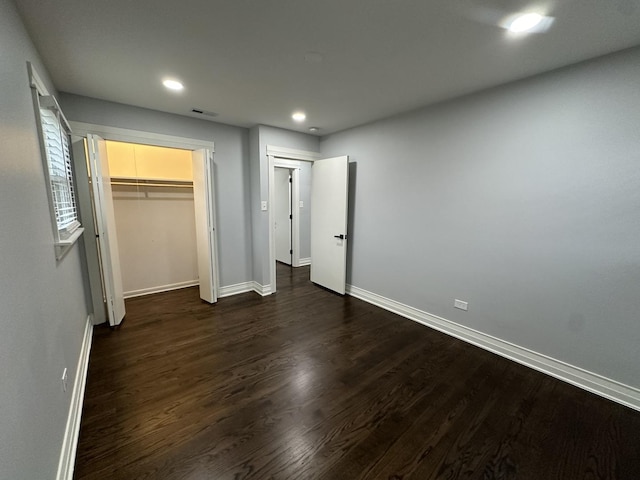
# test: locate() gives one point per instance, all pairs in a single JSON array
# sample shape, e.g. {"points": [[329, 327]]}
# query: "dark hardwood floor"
{"points": [[306, 384]]}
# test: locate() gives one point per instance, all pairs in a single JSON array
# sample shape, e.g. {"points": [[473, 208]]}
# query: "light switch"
{"points": [[263, 206]]}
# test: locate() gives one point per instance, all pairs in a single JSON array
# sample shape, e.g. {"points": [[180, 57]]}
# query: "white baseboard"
{"points": [[161, 288], [72, 430], [244, 287], [304, 261], [235, 289], [592, 382], [263, 290]]}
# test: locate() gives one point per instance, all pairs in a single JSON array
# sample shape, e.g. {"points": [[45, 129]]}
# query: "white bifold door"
{"points": [[329, 203], [106, 229], [205, 222]]}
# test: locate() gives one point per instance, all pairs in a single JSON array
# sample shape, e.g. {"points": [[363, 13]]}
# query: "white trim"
{"points": [[286, 163], [62, 247], [236, 289], [244, 287], [262, 290], [304, 262], [72, 430], [292, 153], [295, 217], [161, 288], [592, 382], [138, 136], [35, 81], [272, 221]]}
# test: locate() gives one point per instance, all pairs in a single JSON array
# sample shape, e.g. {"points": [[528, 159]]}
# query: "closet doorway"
{"points": [[153, 202], [154, 217]]}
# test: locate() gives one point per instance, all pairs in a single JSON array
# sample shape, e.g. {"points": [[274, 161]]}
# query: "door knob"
{"points": [[341, 236]]}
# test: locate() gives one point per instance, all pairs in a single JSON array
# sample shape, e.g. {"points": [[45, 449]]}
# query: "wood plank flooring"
{"points": [[306, 384]]}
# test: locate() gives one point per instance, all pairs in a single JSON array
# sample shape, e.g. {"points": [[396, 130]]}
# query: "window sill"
{"points": [[63, 246]]}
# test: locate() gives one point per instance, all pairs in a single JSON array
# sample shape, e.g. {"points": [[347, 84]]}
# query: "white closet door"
{"points": [[106, 226], [205, 221], [329, 197]]}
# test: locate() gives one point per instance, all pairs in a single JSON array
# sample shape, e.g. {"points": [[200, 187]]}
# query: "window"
{"points": [[56, 151]]}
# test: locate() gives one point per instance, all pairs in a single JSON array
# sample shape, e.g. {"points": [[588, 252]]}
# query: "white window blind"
{"points": [[56, 141]]}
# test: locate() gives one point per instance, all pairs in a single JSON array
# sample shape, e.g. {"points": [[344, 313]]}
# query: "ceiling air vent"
{"points": [[204, 112]]}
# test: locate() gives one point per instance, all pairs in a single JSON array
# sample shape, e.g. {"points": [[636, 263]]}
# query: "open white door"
{"points": [[106, 226], [329, 191], [282, 215], [205, 224]]}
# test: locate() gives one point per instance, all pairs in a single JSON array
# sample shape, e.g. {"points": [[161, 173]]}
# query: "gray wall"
{"points": [[261, 136], [156, 229], [522, 200], [43, 310], [305, 212], [230, 170]]}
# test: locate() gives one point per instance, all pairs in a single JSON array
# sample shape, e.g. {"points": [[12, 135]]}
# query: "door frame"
{"points": [[81, 129], [287, 158]]}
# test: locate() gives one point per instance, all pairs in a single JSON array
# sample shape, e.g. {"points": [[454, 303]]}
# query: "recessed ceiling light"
{"points": [[314, 129], [528, 22], [174, 85], [524, 23], [299, 116]]}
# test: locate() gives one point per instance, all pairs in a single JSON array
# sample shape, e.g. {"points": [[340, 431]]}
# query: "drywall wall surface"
{"points": [[280, 138], [42, 302], [231, 175], [156, 237], [257, 241], [305, 210], [523, 201]]}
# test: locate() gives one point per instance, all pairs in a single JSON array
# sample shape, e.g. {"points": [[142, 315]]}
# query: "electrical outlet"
{"points": [[263, 206], [301, 204], [64, 380], [461, 305]]}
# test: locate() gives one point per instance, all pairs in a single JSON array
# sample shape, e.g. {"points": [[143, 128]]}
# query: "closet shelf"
{"points": [[150, 182]]}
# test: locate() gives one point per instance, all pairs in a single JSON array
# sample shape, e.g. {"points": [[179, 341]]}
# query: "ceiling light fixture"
{"points": [[528, 23], [524, 23], [174, 85], [314, 129], [299, 116]]}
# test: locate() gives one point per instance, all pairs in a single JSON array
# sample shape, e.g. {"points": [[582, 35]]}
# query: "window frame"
{"points": [[66, 236]]}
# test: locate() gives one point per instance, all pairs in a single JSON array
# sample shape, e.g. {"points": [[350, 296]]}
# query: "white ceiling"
{"points": [[245, 59]]}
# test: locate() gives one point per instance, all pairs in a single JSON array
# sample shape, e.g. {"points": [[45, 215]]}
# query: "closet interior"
{"points": [[154, 213]]}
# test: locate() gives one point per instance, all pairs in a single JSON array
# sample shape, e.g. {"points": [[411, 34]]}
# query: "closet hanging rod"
{"points": [[149, 184]]}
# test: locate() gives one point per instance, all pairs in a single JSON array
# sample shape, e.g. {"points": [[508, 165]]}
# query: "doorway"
{"points": [[283, 215], [326, 196]]}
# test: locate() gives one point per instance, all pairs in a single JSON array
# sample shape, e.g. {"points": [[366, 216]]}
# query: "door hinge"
{"points": [[290, 217], [290, 252], [290, 180]]}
